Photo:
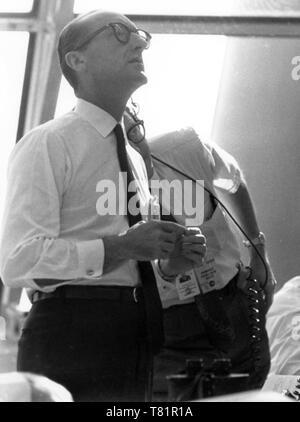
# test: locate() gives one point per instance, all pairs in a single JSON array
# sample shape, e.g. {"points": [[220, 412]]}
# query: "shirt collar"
{"points": [[102, 121]]}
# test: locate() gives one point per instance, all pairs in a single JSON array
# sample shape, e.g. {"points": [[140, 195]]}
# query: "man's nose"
{"points": [[138, 41]]}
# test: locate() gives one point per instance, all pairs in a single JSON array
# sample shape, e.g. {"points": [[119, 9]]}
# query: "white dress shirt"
{"points": [[283, 326], [52, 228], [219, 170]]}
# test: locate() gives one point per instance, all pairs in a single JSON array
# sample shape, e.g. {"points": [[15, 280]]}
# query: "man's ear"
{"points": [[75, 60]]}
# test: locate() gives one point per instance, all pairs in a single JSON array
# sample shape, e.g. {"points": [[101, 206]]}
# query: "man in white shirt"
{"points": [[189, 323], [66, 234]]}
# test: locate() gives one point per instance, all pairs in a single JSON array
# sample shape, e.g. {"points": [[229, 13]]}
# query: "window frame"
{"points": [[17, 16]]}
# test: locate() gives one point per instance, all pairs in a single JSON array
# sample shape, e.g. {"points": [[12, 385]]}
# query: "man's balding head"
{"points": [[76, 31], [71, 36], [101, 57]]}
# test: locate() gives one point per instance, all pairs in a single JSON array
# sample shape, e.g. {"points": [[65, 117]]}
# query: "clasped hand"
{"points": [[188, 252], [179, 248]]}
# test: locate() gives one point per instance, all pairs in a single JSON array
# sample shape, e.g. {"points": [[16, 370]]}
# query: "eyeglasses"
{"points": [[136, 133], [121, 32]]}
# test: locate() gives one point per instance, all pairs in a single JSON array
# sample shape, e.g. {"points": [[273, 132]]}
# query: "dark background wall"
{"points": [[258, 120]]}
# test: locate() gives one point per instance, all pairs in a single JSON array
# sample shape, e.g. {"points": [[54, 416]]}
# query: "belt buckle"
{"points": [[135, 295]]}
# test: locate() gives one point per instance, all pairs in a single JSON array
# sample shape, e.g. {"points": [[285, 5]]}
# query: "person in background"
{"points": [[189, 334], [71, 238], [283, 326]]}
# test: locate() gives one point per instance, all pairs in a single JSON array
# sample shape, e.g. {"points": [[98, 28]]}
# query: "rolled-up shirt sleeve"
{"points": [[227, 175], [32, 247]]}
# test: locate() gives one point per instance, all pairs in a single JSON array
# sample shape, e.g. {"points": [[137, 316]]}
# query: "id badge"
{"points": [[187, 285]]}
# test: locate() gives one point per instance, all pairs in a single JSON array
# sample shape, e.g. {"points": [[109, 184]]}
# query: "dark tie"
{"points": [[152, 300]]}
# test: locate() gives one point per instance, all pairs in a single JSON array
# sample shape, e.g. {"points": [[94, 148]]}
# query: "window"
{"points": [[166, 7], [192, 7], [183, 81], [13, 53], [16, 6]]}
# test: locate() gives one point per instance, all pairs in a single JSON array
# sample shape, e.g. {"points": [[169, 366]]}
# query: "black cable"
{"points": [[224, 207]]}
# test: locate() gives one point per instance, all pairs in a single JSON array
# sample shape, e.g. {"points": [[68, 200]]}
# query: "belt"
{"points": [[116, 293]]}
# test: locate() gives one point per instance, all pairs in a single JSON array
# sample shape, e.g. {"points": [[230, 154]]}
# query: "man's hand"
{"points": [[142, 242], [187, 254], [152, 240]]}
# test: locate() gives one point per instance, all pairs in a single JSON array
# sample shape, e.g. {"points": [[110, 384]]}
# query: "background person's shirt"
{"points": [[219, 171], [53, 222], [283, 326]]}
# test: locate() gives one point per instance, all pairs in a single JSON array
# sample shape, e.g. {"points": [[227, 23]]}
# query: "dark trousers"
{"points": [[96, 348], [185, 338]]}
